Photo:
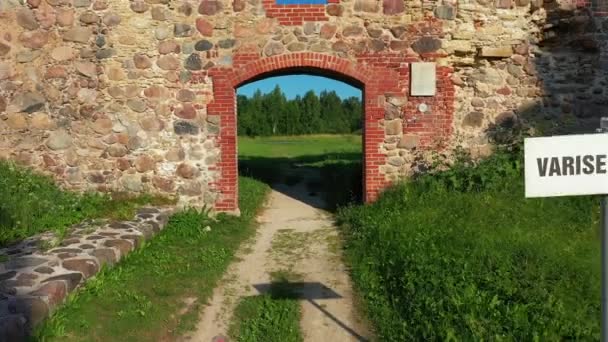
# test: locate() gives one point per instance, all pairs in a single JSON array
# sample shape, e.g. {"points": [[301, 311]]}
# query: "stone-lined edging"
{"points": [[34, 281]]}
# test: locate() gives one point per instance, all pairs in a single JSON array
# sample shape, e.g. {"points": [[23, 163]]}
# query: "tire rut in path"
{"points": [[293, 235]]}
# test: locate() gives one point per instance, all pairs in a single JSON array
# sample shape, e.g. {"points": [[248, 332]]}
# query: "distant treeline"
{"points": [[274, 114]]}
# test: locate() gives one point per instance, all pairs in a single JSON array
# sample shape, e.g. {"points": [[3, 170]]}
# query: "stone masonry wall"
{"points": [[140, 95]]}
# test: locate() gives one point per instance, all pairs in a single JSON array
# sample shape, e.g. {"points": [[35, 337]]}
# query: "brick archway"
{"points": [[376, 82]]}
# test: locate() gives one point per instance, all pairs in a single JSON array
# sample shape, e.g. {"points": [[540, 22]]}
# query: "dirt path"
{"points": [[297, 237]]}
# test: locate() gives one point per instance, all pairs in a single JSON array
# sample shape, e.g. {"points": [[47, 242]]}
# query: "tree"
{"points": [[272, 114]]}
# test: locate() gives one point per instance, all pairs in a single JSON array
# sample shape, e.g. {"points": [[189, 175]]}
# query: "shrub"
{"points": [[462, 255]]}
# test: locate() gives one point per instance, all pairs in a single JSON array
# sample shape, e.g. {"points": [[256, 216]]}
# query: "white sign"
{"points": [[423, 77], [566, 165]]}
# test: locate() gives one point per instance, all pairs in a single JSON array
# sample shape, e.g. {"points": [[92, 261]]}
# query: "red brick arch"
{"points": [[376, 82]]}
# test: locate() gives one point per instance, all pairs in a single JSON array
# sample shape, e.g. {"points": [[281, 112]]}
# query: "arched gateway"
{"points": [[374, 81]]}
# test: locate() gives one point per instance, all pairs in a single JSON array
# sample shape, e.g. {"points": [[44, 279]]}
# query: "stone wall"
{"points": [[140, 95]]}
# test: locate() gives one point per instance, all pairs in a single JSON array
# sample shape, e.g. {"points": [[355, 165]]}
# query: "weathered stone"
{"points": [[393, 127], [446, 12], [182, 30], [78, 34], [2, 104], [409, 141], [89, 17], [105, 53], [399, 45], [123, 246], [392, 7], [144, 163], [59, 140], [186, 111], [187, 171], [204, 27], [242, 31], [164, 184], [139, 6], [4, 49], [137, 105], [102, 126], [504, 3], [65, 17], [160, 13], [168, 62], [111, 19], [105, 256], [193, 62], [297, 46], [54, 291], [340, 46], [377, 45], [238, 5], [41, 121], [142, 61], [185, 128], [426, 45], [274, 48], [81, 3], [175, 154], [185, 95], [56, 71], [352, 31], [209, 7], [16, 121], [203, 45], [396, 161], [63, 53], [371, 6], [34, 39], [503, 51], [117, 150], [226, 43], [23, 262], [328, 31], [399, 31], [71, 279], [473, 119], [28, 102], [334, 10], [86, 68], [27, 19], [44, 270], [168, 46]]}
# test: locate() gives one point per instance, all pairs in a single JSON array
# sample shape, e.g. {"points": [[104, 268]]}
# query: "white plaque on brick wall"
{"points": [[423, 79]]}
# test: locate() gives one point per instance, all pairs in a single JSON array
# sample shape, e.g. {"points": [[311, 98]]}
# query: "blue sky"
{"points": [[293, 85]]}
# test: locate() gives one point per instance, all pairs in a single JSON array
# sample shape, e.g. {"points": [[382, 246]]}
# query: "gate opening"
{"points": [[301, 132]]}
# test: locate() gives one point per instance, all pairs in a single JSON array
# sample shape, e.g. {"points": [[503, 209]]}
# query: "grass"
{"points": [[336, 158], [462, 255], [32, 203], [298, 146], [271, 317], [140, 299]]}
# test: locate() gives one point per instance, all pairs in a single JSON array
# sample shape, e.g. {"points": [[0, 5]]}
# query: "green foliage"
{"points": [[271, 317], [139, 299], [272, 114], [32, 203], [462, 255]]}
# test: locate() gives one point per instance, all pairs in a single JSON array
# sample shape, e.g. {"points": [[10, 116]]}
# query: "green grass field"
{"points": [[139, 299], [300, 146], [32, 203], [461, 255]]}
